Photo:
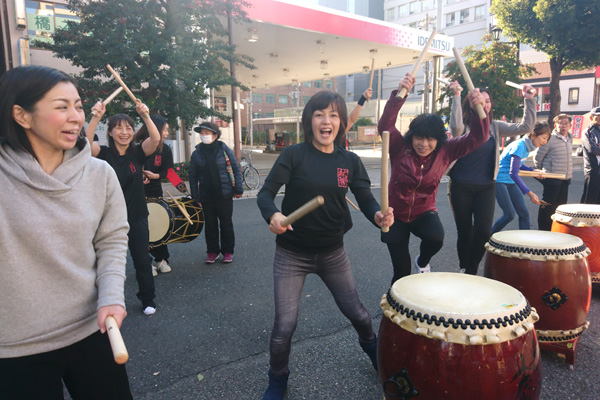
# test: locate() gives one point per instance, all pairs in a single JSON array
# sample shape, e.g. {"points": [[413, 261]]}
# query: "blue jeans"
{"points": [[511, 201], [289, 272]]}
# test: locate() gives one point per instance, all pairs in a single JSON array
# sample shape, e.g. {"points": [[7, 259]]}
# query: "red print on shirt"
{"points": [[132, 167], [342, 176], [157, 161]]}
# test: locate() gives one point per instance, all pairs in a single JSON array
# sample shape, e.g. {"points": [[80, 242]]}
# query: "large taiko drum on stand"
{"points": [[583, 221], [551, 270], [167, 224], [455, 336]]}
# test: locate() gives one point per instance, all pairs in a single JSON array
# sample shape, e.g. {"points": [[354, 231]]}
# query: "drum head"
{"points": [[158, 221], [537, 245], [458, 308], [579, 215]]}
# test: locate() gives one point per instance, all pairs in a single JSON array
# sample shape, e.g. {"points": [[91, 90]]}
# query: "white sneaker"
{"points": [[149, 310], [163, 267], [421, 270], [154, 271]]}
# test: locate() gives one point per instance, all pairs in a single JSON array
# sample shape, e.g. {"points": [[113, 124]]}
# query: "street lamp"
{"points": [[497, 32]]}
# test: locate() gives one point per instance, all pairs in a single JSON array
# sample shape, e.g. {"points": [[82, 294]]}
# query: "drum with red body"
{"points": [[551, 270], [583, 221], [455, 336]]}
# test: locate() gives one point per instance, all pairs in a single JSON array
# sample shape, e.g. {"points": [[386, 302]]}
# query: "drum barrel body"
{"points": [[560, 290], [590, 236], [411, 365], [160, 220], [167, 224]]}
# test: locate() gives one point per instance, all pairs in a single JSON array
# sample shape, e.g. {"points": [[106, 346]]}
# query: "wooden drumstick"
{"points": [[385, 148], [536, 174], [110, 98], [116, 340], [372, 73], [181, 208], [118, 78], [351, 203], [308, 207], [444, 82], [520, 87], [418, 63], [468, 80]]}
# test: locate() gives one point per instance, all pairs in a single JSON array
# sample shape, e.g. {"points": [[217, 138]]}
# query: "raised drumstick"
{"points": [[118, 78], [520, 87], [110, 98], [385, 148], [468, 80], [536, 174], [443, 81], [181, 208], [372, 73], [116, 340], [308, 207], [418, 63]]}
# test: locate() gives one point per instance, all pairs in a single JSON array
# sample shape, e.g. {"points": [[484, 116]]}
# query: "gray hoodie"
{"points": [[63, 246]]}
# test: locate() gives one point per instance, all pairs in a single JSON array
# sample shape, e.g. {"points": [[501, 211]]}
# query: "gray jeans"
{"points": [[289, 272]]}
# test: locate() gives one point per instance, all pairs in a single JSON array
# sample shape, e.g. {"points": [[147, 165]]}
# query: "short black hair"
{"points": [[429, 126], [321, 101]]}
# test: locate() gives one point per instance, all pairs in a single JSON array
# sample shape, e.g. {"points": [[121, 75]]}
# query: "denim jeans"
{"points": [[289, 272], [511, 201]]}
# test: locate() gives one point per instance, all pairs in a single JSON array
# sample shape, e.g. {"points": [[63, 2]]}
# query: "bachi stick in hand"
{"points": [[372, 73], [118, 78], [308, 207], [468, 80], [419, 61], [385, 148], [351, 203], [116, 340], [109, 98], [520, 87]]}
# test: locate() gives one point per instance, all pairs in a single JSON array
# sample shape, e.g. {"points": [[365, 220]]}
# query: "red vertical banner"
{"points": [[577, 126]]}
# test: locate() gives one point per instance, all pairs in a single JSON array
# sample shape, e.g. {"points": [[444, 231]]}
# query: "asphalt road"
{"points": [[210, 335]]}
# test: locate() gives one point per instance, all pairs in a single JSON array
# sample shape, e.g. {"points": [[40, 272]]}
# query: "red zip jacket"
{"points": [[415, 180]]}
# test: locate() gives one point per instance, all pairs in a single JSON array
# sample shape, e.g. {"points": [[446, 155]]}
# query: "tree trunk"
{"points": [[186, 140], [555, 98]]}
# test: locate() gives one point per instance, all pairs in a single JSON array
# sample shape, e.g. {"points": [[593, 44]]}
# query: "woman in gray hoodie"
{"points": [[63, 241]]}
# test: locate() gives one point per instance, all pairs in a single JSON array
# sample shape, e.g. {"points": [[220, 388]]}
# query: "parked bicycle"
{"points": [[250, 175]]}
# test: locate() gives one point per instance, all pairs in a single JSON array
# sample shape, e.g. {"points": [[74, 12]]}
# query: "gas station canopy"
{"points": [[291, 42]]}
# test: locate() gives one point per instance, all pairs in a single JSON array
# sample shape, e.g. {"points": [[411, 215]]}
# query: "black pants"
{"points": [[218, 212], [142, 262], [556, 192], [591, 189], [473, 208], [427, 227], [87, 369], [160, 253]]}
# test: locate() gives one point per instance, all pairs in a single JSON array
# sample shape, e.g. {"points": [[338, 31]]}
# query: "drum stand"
{"points": [[565, 350]]}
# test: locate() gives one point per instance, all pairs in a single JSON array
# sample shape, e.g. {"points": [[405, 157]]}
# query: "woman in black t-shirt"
{"points": [[319, 166], [127, 159]]}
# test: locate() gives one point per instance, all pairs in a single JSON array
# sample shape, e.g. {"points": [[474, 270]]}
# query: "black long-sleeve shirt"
{"points": [[307, 173]]}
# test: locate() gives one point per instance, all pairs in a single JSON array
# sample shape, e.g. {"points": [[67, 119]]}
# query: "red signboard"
{"points": [[577, 126]]}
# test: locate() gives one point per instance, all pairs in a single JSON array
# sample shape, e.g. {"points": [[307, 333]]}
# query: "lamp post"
{"points": [[497, 32]]}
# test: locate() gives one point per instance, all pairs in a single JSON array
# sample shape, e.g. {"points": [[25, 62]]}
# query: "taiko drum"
{"points": [[456, 336], [551, 270], [583, 221]]}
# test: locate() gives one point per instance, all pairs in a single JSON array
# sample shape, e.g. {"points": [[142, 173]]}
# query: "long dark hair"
{"points": [[143, 134], [321, 101], [24, 87], [429, 126], [466, 107], [114, 121]]}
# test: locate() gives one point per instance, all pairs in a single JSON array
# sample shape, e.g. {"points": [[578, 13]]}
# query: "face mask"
{"points": [[207, 139]]}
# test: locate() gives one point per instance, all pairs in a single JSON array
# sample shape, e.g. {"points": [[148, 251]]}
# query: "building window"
{"points": [[479, 13], [307, 84], [413, 7], [390, 14], [44, 18], [329, 85], [318, 84], [402, 10], [284, 99], [450, 19], [573, 95], [270, 115], [464, 16], [305, 100], [257, 98], [257, 115], [425, 5], [270, 98]]}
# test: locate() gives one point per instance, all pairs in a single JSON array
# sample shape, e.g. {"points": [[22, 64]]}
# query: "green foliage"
{"points": [[182, 169], [363, 121], [168, 52], [490, 67]]}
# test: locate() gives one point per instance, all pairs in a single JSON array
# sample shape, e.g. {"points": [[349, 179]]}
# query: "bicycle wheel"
{"points": [[251, 178]]}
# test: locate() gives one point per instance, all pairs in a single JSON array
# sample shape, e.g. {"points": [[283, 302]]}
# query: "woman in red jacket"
{"points": [[419, 160]]}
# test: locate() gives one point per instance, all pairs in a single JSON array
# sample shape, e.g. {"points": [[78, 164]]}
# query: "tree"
{"points": [[566, 30], [490, 67], [168, 52]]}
